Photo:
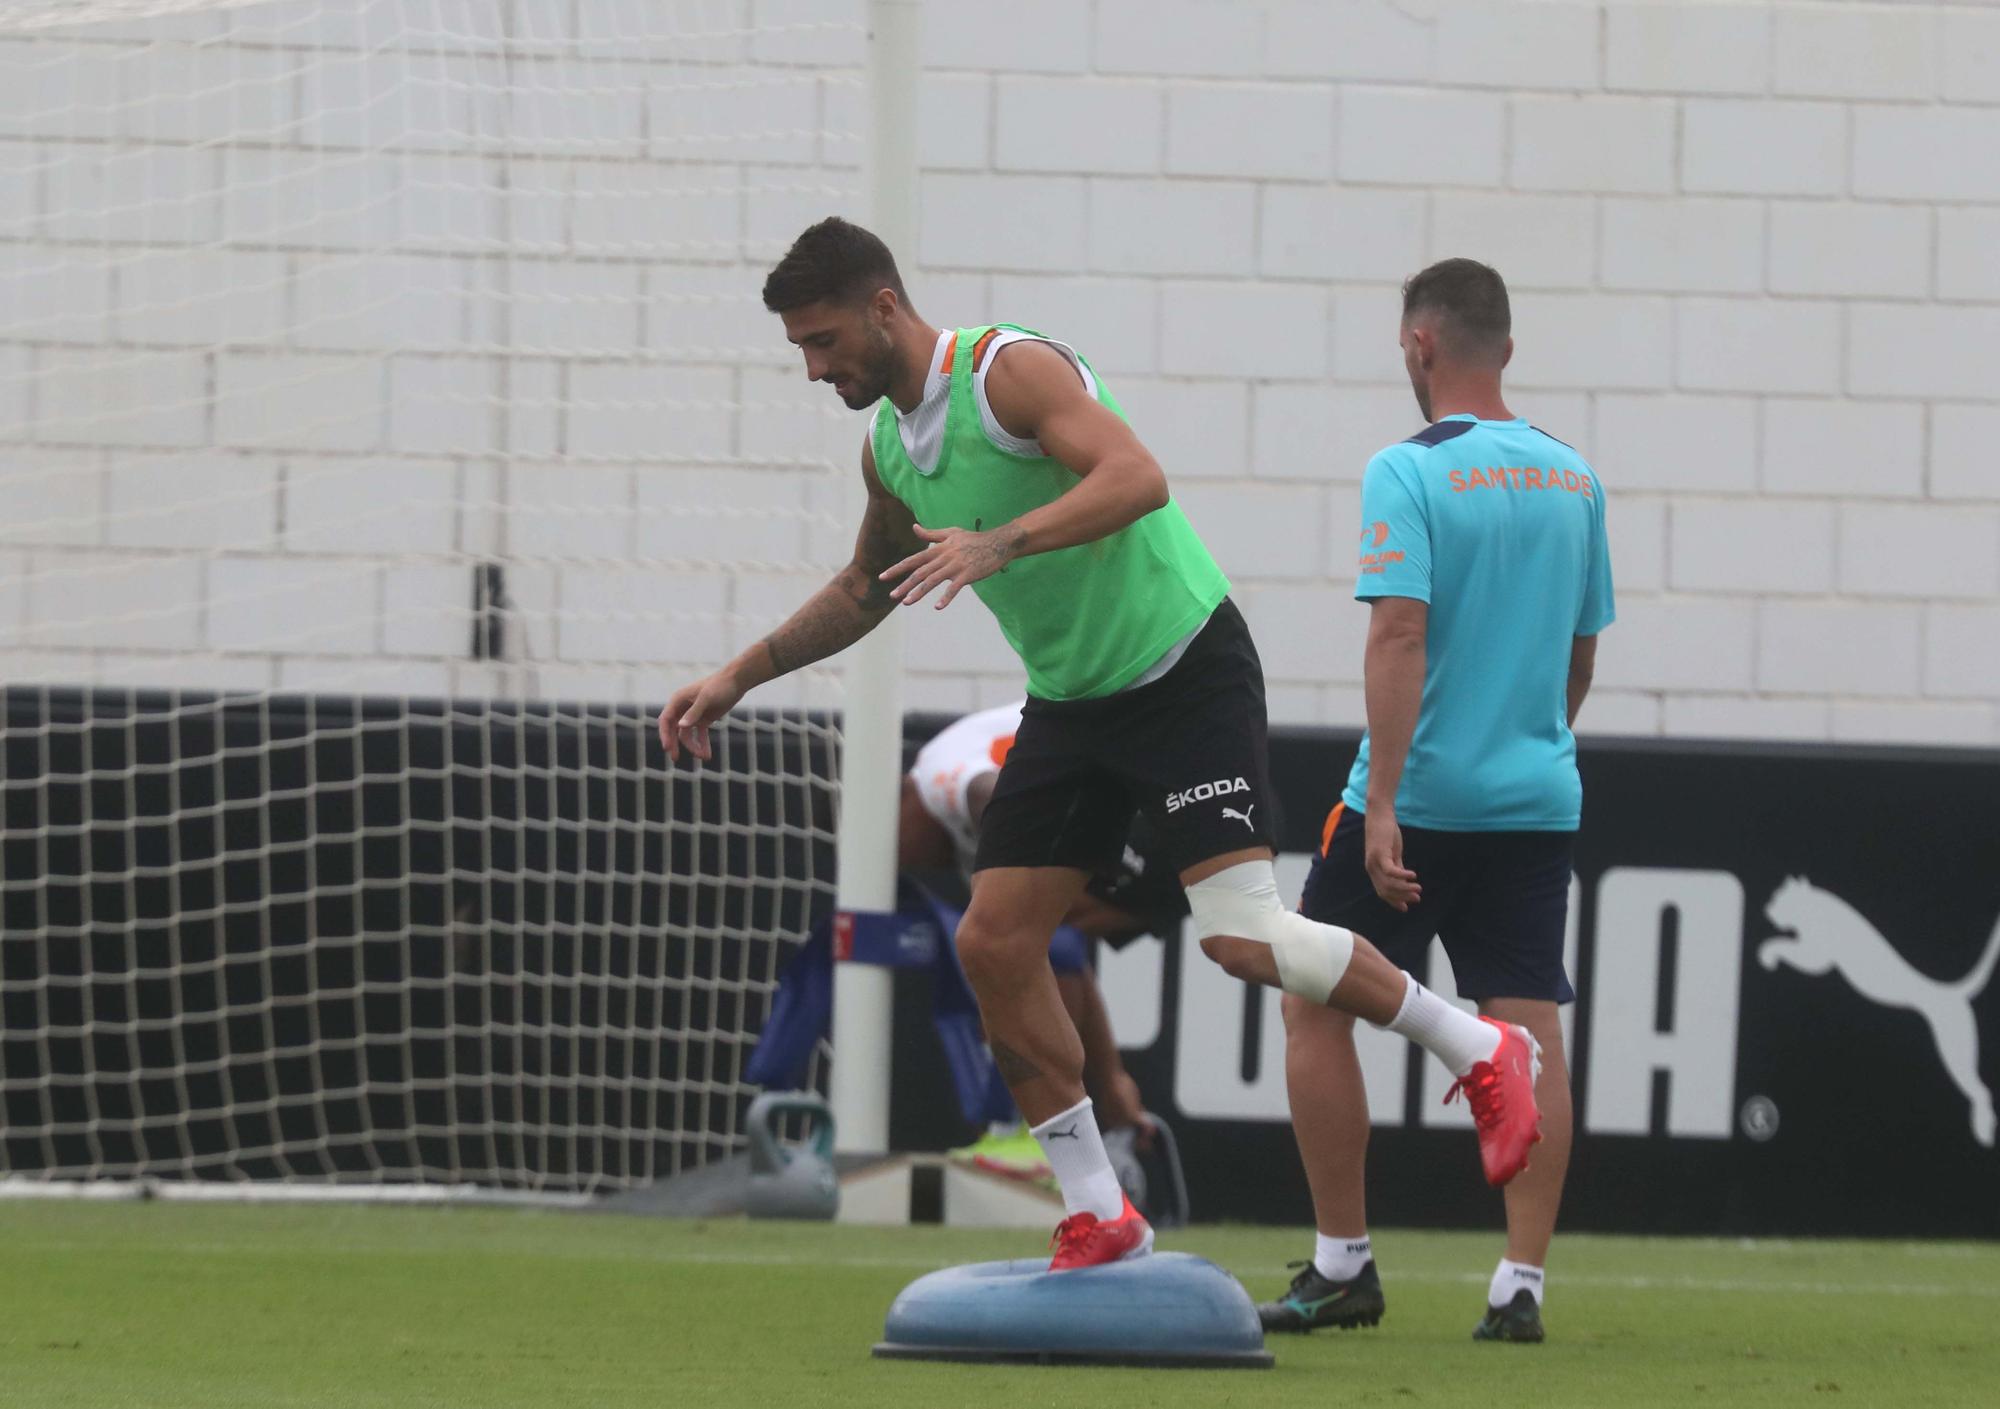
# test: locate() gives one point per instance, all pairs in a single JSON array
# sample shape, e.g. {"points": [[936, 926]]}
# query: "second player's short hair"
{"points": [[835, 261], [1471, 297]]}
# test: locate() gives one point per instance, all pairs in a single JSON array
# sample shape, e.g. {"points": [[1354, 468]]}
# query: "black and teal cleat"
{"points": [[1314, 1301], [1519, 1321]]}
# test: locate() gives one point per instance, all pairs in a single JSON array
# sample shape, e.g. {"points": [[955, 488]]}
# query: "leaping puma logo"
{"points": [[1826, 933], [1243, 816]]}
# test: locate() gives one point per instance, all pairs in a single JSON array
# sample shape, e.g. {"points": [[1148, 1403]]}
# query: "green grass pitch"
{"points": [[162, 1305]]}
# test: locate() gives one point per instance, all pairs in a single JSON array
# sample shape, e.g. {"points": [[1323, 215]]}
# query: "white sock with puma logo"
{"points": [[1513, 1277], [1341, 1259], [1075, 1152]]}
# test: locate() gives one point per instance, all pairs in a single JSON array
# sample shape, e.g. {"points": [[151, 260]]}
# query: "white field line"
{"points": [[1560, 1279], [1746, 1286]]}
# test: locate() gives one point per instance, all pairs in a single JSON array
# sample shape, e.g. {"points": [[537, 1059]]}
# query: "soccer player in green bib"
{"points": [[997, 460]]}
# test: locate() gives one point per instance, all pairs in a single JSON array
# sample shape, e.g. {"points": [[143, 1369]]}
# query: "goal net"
{"points": [[388, 422]]}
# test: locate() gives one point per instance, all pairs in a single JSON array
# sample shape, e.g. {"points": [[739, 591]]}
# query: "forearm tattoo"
{"points": [[847, 608]]}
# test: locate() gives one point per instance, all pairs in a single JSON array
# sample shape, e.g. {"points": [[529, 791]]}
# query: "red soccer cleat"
{"points": [[1085, 1240], [1501, 1092]]}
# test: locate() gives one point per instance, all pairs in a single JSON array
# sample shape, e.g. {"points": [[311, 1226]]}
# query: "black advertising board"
{"points": [[1787, 1021]]}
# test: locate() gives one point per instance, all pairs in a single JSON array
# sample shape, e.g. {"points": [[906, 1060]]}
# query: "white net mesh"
{"points": [[388, 421]]}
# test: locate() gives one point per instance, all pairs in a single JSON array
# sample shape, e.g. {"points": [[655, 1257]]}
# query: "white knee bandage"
{"points": [[1243, 902]]}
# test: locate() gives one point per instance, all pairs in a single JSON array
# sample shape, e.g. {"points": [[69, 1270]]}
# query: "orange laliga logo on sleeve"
{"points": [[1001, 748], [1374, 536]]}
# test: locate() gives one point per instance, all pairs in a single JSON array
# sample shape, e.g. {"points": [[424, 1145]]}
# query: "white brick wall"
{"points": [[1172, 227], [1204, 38], [1967, 237], [285, 345], [1330, 232], [1758, 345], [1637, 530], [1818, 248], [304, 604], [1959, 658], [298, 401], [1687, 245], [1272, 130], [1514, 233], [1854, 449], [1696, 444], [1026, 36], [1004, 222], [1259, 531], [51, 297], [1114, 321], [1612, 145], [1312, 430], [1855, 51], [1071, 124], [1758, 147], [1961, 461], [1242, 330], [1421, 137], [1680, 48], [1680, 643], [1609, 340], [1944, 154], [1839, 648], [195, 297], [1970, 44], [1376, 40], [196, 501], [1497, 45], [139, 601], [1770, 547], [1920, 350], [1198, 430], [1920, 550], [1928, 723]]}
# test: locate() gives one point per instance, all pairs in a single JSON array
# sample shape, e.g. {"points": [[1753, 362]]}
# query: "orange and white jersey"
{"points": [[946, 766]]}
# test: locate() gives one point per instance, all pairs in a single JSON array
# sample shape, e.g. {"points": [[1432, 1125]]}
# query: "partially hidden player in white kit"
{"points": [[944, 798]]}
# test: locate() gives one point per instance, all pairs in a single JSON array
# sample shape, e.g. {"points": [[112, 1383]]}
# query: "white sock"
{"points": [[1449, 1033], [1075, 1151], [1341, 1259], [1511, 1277]]}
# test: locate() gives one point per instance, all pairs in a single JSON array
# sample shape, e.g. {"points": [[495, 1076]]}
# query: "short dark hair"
{"points": [[1473, 299], [835, 261]]}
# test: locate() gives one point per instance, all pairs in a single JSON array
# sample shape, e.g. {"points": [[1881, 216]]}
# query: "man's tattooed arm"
{"points": [[835, 617], [857, 599]]}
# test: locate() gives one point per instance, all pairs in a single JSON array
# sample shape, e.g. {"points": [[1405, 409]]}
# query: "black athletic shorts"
{"points": [[1144, 884], [1498, 900], [1188, 750]]}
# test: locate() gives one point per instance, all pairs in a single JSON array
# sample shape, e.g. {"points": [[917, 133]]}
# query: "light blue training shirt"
{"points": [[1500, 528]]}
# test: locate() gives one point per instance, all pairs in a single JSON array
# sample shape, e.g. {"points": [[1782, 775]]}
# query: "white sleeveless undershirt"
{"points": [[922, 434]]}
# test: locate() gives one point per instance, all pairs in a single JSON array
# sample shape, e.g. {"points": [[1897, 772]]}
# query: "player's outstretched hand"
{"points": [[685, 720], [1383, 854], [953, 557]]}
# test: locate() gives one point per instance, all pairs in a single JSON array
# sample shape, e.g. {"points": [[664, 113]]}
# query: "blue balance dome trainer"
{"points": [[1169, 1309]]}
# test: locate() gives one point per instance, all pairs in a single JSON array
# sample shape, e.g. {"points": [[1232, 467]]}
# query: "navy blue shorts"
{"points": [[1498, 900]]}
